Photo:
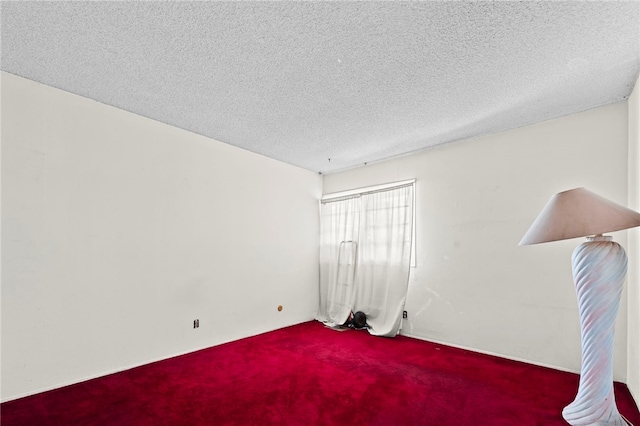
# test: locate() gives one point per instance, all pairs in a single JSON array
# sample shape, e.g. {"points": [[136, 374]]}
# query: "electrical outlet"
{"points": [[405, 315], [196, 323]]}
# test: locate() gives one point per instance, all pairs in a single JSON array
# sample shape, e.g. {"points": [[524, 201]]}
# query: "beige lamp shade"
{"points": [[578, 213]]}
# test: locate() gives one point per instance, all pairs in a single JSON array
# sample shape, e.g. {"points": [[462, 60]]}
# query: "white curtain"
{"points": [[365, 255], [339, 223]]}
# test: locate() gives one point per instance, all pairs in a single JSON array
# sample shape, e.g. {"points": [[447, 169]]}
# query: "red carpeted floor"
{"points": [[310, 375]]}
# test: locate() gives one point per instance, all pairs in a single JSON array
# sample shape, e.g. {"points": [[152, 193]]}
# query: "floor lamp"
{"points": [[599, 267]]}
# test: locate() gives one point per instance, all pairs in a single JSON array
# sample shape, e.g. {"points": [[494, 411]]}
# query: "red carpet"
{"points": [[310, 375]]}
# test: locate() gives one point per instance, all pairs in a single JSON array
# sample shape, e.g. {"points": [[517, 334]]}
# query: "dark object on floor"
{"points": [[359, 320]]}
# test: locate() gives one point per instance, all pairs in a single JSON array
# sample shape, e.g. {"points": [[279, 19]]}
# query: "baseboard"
{"points": [[135, 365], [106, 373], [512, 358]]}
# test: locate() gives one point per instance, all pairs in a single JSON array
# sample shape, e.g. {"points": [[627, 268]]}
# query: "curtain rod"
{"points": [[366, 190]]}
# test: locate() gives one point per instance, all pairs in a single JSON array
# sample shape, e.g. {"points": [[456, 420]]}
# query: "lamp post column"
{"points": [[599, 269]]}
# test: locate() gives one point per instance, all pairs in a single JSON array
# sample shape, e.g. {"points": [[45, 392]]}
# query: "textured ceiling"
{"points": [[353, 82]]}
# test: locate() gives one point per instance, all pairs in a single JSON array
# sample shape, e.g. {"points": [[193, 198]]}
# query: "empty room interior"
{"points": [[169, 171]]}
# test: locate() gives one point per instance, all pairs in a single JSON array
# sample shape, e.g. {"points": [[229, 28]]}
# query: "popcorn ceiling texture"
{"points": [[354, 82]]}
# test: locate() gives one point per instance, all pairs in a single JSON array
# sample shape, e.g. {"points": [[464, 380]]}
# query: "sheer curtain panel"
{"points": [[384, 258], [365, 256], [339, 225]]}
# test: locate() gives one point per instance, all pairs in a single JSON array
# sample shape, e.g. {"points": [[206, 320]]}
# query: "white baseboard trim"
{"points": [[499, 355], [138, 364]]}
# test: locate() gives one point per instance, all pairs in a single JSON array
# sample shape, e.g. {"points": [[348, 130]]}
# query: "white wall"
{"points": [[118, 232], [474, 286], [633, 281]]}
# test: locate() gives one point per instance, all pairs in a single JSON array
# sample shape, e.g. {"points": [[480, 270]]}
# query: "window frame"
{"points": [[382, 187]]}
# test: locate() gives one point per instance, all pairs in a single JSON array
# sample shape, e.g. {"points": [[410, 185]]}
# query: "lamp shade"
{"points": [[578, 213]]}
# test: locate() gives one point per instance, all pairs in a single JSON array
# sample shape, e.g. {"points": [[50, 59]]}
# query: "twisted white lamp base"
{"points": [[599, 268]]}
